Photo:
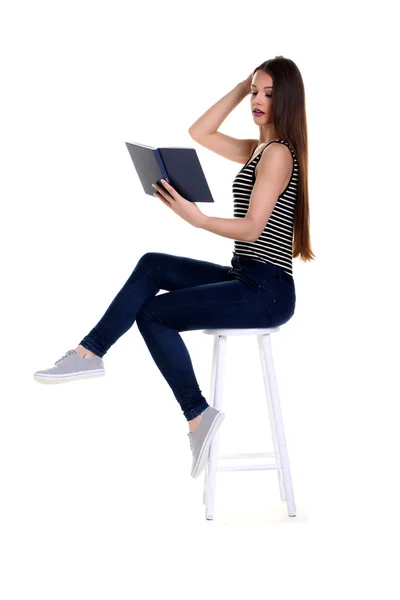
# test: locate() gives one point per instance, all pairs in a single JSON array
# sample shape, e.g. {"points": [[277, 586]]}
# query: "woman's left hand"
{"points": [[188, 211]]}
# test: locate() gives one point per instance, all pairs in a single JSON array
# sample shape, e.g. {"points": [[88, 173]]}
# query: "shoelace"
{"points": [[65, 355]]}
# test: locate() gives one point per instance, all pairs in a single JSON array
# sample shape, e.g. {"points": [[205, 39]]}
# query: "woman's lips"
{"points": [[258, 114]]}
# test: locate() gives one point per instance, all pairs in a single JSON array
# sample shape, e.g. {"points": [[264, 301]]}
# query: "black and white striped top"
{"points": [[275, 243]]}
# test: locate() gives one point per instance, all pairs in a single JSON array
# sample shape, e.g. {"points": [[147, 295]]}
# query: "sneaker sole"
{"points": [[43, 378], [202, 458]]}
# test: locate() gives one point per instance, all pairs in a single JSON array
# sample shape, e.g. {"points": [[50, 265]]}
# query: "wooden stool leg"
{"points": [[218, 368], [277, 421]]}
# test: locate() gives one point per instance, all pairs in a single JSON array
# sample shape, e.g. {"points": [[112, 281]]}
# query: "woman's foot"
{"points": [[84, 353], [194, 423], [71, 366], [200, 440]]}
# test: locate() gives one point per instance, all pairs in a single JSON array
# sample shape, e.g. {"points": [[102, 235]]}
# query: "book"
{"points": [[179, 166]]}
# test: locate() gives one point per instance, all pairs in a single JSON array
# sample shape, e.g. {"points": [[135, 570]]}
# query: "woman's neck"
{"points": [[267, 134]]}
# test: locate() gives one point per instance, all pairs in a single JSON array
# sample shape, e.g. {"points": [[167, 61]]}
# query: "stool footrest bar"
{"points": [[248, 455], [248, 467]]}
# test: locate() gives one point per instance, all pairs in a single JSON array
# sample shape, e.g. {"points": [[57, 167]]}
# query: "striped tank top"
{"points": [[275, 243]]}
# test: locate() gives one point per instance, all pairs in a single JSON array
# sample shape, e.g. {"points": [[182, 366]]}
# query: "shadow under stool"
{"points": [[280, 454]]}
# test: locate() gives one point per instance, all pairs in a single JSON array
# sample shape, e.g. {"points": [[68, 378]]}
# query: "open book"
{"points": [[177, 165]]}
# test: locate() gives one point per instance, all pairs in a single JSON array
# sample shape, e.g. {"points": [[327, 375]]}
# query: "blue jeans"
{"points": [[201, 295]]}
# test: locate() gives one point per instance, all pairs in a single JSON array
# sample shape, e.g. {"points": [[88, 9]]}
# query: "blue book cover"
{"points": [[178, 165]]}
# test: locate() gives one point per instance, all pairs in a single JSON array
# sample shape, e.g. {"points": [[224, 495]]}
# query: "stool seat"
{"points": [[239, 331], [279, 456]]}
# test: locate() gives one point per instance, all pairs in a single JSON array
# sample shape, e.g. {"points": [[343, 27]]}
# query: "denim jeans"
{"points": [[200, 295]]}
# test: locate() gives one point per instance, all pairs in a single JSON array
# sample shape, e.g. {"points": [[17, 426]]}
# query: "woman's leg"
{"points": [[227, 303], [153, 272]]}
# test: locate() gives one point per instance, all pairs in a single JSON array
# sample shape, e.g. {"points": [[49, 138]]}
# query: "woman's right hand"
{"points": [[247, 82]]}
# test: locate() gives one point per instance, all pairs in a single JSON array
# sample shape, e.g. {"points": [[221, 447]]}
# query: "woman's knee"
{"points": [[150, 257], [146, 313]]}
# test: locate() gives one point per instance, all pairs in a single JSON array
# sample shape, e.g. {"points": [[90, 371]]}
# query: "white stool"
{"points": [[280, 454]]}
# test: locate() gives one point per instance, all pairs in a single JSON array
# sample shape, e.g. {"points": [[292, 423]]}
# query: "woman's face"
{"points": [[261, 97]]}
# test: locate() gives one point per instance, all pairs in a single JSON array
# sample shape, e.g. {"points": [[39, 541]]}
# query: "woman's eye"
{"points": [[268, 95]]}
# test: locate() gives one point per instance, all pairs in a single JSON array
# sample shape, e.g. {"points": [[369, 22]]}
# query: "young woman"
{"points": [[270, 226]]}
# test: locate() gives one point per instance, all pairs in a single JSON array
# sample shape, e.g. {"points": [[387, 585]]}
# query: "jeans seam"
{"points": [[257, 292], [194, 280], [267, 311]]}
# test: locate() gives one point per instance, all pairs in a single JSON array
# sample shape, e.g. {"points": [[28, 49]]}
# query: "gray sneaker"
{"points": [[200, 440], [69, 367]]}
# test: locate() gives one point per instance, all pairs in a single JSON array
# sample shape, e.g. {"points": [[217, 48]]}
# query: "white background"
{"points": [[96, 496]]}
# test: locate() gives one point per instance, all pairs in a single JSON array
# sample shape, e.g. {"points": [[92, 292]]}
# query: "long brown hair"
{"points": [[290, 123]]}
